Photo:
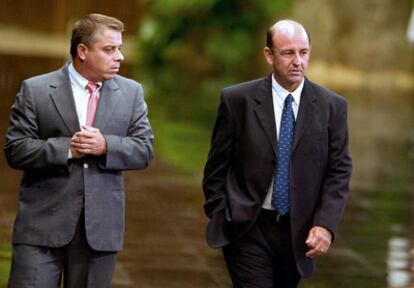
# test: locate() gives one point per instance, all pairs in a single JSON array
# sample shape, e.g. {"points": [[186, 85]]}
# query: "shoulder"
{"points": [[126, 83], [245, 93], [128, 88], [245, 87], [47, 78]]}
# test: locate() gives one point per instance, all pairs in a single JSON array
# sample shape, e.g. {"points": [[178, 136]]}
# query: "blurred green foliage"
{"points": [[5, 248], [188, 51]]}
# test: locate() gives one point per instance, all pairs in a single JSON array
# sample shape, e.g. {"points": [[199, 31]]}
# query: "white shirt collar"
{"points": [[78, 79], [281, 93]]}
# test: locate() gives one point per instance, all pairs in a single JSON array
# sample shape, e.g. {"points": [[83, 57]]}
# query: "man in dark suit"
{"points": [[72, 132], [276, 180]]}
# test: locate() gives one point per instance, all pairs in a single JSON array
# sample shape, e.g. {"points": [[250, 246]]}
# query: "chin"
{"points": [[296, 79], [108, 76]]}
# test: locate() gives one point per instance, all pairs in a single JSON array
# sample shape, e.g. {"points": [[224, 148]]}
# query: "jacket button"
{"points": [[85, 165]]}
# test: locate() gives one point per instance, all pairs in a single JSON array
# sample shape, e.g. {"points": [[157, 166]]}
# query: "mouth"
{"points": [[114, 69], [296, 72]]}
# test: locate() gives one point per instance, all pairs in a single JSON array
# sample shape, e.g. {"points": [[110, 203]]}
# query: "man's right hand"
{"points": [[75, 153]]}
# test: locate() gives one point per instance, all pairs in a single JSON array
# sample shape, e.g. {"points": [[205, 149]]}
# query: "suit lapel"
{"points": [[307, 111], [264, 110], [108, 100], [62, 96]]}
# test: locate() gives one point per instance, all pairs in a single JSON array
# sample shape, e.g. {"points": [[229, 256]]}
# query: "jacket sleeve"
{"points": [[134, 151], [335, 186], [24, 149], [219, 160]]}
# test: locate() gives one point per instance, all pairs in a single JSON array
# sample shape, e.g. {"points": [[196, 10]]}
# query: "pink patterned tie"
{"points": [[92, 102]]}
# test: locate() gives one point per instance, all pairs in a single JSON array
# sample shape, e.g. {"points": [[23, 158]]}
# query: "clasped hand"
{"points": [[88, 141]]}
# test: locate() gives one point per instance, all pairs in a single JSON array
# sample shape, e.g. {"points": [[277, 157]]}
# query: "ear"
{"points": [[82, 51], [268, 53]]}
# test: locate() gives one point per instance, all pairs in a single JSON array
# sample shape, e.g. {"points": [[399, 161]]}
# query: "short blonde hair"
{"points": [[84, 30]]}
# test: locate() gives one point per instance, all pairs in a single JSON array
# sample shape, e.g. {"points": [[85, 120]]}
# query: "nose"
{"points": [[297, 59], [119, 56]]}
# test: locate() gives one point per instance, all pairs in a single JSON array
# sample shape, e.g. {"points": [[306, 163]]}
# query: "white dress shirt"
{"points": [[279, 95], [80, 95]]}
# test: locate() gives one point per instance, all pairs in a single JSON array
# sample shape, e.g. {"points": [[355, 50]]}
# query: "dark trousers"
{"points": [[43, 267], [263, 257]]}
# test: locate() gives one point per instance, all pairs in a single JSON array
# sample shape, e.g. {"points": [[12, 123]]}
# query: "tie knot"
{"points": [[289, 99], [92, 87]]}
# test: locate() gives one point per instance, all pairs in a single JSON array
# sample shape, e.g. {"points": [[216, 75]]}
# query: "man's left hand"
{"points": [[89, 141], [318, 241]]}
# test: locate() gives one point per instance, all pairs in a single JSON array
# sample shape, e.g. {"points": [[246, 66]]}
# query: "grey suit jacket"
{"points": [[54, 188], [242, 159]]}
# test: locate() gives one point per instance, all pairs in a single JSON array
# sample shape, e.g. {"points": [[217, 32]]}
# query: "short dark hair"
{"points": [[84, 30], [269, 37]]}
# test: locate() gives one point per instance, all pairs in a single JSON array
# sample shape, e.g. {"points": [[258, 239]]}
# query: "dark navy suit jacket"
{"points": [[243, 156]]}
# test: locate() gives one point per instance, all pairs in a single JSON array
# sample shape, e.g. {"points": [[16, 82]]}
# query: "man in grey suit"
{"points": [[71, 206], [277, 175]]}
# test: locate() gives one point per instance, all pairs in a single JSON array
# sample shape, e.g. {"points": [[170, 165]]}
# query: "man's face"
{"points": [[103, 59], [289, 57]]}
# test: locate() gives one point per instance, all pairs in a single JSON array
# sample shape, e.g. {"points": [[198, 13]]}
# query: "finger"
{"points": [[89, 151], [84, 151], [80, 146], [75, 139], [84, 140], [77, 154], [77, 144], [319, 239], [311, 241], [312, 253], [90, 129], [87, 134], [315, 252]]}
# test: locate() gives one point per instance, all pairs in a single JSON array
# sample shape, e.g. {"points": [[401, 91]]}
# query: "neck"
{"points": [[80, 68]]}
